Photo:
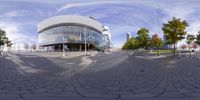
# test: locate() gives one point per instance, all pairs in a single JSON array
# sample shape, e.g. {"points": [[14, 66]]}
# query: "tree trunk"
{"points": [[142, 49], [190, 50], [174, 48]]}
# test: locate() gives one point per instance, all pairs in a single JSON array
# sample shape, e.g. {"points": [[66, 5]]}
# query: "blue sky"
{"points": [[20, 17]]}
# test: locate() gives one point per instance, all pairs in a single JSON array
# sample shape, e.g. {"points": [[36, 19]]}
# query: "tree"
{"points": [[156, 41], [183, 46], [26, 46], [131, 44], [198, 38], [190, 38], [143, 37], [135, 43], [194, 45], [34, 46], [175, 31], [3, 39], [127, 45]]}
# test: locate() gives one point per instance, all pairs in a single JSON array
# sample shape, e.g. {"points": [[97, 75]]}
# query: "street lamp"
{"points": [[85, 40], [63, 49]]}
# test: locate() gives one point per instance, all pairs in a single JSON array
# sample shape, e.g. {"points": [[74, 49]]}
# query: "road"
{"points": [[107, 76]]}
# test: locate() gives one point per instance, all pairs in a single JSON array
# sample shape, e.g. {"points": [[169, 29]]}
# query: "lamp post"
{"points": [[85, 40], [63, 49]]}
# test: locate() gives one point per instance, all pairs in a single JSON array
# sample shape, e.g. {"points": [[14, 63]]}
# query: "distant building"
{"points": [[165, 45], [107, 37], [164, 39], [128, 36]]}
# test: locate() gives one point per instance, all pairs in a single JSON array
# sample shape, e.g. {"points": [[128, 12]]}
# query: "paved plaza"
{"points": [[106, 76]]}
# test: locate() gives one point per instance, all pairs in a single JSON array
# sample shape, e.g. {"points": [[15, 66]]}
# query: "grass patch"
{"points": [[161, 51]]}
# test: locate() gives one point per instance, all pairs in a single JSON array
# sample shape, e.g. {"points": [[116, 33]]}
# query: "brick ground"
{"points": [[110, 76]]}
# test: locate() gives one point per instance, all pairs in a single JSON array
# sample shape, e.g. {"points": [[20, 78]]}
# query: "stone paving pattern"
{"points": [[108, 76]]}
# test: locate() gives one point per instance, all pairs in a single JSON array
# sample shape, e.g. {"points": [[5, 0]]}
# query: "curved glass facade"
{"points": [[71, 34]]}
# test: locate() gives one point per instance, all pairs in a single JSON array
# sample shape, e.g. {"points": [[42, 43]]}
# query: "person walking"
{"points": [[158, 53]]}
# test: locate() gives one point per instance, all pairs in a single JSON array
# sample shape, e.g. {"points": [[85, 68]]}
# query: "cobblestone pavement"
{"points": [[110, 76]]}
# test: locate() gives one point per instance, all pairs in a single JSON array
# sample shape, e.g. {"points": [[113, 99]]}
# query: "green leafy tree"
{"points": [[190, 38], [198, 38], [156, 41], [127, 45], [135, 43], [175, 31], [143, 37], [131, 44], [3, 39]]}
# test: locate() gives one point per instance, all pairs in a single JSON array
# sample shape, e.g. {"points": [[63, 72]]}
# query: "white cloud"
{"points": [[122, 29], [89, 3], [10, 14], [179, 11], [194, 28], [10, 29], [118, 44], [70, 5], [14, 34], [98, 15]]}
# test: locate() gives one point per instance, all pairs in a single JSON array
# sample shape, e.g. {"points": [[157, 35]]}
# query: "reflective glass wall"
{"points": [[71, 34]]}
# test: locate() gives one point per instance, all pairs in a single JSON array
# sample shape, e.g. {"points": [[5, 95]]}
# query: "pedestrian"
{"points": [[158, 53]]}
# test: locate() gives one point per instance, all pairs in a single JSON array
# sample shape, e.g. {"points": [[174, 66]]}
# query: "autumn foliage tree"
{"points": [[156, 41], [34, 46], [183, 46], [194, 45]]}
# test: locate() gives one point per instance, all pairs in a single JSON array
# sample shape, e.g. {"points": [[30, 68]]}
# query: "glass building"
{"points": [[72, 32]]}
